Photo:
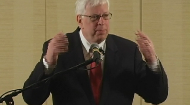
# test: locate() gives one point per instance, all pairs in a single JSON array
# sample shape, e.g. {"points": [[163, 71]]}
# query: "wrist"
{"points": [[151, 60], [48, 68], [51, 60], [48, 64]]}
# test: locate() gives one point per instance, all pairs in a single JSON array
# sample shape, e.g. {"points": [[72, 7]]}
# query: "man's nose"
{"points": [[101, 21]]}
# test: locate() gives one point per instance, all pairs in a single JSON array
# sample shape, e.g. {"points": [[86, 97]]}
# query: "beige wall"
{"points": [[167, 22], [26, 24]]}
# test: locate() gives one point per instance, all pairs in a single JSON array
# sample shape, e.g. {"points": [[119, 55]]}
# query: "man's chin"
{"points": [[101, 36]]}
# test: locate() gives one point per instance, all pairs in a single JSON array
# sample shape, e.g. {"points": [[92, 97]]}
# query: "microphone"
{"points": [[94, 48]]}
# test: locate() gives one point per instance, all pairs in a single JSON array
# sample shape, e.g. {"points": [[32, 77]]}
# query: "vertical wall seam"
{"points": [[46, 103], [141, 17], [45, 22]]}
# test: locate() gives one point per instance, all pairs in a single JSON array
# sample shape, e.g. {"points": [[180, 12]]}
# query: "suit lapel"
{"points": [[78, 57], [109, 65]]}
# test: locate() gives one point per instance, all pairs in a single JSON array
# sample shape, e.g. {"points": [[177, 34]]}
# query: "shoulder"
{"points": [[72, 36], [120, 41]]}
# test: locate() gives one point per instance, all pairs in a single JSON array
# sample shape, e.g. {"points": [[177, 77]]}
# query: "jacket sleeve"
{"points": [[151, 85], [39, 93]]}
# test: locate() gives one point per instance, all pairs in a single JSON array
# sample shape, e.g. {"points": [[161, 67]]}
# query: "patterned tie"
{"points": [[96, 81]]}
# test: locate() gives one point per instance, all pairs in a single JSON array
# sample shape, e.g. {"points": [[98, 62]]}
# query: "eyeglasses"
{"points": [[106, 16]]}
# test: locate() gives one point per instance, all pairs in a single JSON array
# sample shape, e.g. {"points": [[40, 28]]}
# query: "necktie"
{"points": [[96, 81]]}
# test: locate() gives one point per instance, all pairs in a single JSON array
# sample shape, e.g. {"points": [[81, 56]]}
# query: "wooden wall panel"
{"points": [[167, 23], [60, 17], [126, 18], [6, 46], [22, 33]]}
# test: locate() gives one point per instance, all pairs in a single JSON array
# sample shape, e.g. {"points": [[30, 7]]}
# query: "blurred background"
{"points": [[26, 24]]}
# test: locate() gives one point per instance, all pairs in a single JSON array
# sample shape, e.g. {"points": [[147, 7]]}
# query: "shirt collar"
{"points": [[88, 44]]}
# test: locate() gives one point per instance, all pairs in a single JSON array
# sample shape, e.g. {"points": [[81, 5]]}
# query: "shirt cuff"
{"points": [[48, 68], [154, 66]]}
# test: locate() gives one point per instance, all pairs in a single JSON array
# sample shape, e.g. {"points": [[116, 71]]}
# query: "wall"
{"points": [[26, 24]]}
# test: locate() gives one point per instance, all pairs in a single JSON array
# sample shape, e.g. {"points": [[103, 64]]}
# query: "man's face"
{"points": [[95, 31]]}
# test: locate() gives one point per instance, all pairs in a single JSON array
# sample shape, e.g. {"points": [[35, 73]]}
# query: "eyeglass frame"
{"points": [[90, 16]]}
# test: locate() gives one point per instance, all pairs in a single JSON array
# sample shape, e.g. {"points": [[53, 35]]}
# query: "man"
{"points": [[123, 72]]}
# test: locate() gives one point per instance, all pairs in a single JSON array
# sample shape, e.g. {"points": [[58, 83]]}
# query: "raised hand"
{"points": [[146, 47], [59, 44]]}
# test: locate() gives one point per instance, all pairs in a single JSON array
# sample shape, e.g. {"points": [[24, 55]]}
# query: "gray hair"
{"points": [[81, 5]]}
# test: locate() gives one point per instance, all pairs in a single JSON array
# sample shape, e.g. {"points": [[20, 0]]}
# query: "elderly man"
{"points": [[114, 81]]}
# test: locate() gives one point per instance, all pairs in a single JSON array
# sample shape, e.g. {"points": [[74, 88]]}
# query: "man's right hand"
{"points": [[59, 44]]}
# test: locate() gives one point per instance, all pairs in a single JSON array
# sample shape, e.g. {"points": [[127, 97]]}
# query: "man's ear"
{"points": [[79, 21]]}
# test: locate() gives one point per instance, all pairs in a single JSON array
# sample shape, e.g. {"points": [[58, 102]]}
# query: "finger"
{"points": [[60, 35], [139, 36], [142, 35], [145, 46], [63, 40], [61, 49], [61, 46], [60, 40], [141, 40]]}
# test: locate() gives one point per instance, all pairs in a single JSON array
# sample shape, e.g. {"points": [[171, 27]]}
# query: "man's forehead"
{"points": [[98, 9]]}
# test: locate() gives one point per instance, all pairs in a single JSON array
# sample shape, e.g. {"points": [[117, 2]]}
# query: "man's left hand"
{"points": [[146, 47]]}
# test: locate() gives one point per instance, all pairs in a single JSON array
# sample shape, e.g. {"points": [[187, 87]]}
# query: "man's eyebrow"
{"points": [[101, 14]]}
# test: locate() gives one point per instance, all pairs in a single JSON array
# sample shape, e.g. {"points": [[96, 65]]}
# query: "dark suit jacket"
{"points": [[125, 73]]}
